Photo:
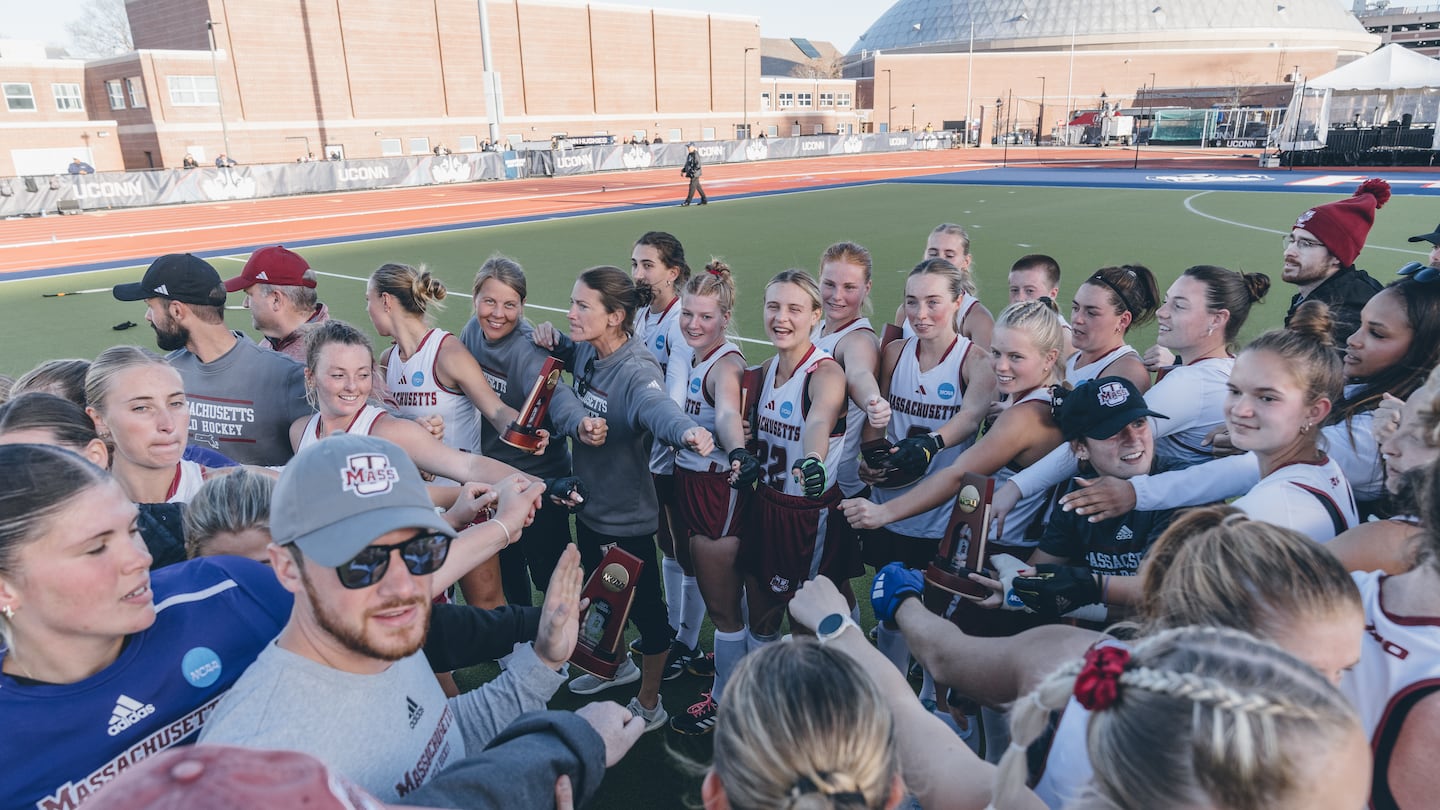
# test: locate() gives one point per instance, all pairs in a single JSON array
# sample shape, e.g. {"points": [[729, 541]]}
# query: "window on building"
{"points": [[787, 100], [67, 97], [707, 133], [764, 101], [772, 131], [467, 143], [818, 129], [842, 99], [390, 147], [419, 146], [674, 136], [802, 100], [116, 94], [827, 99], [193, 91], [19, 97], [137, 92]]}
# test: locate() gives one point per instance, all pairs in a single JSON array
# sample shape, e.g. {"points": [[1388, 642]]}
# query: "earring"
{"points": [[8, 612], [1210, 331], [1305, 428]]}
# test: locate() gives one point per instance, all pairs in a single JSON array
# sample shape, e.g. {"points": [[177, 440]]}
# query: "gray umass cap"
{"points": [[339, 495]]}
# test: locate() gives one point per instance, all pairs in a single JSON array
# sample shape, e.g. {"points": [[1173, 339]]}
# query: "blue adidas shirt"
{"points": [[213, 617]]}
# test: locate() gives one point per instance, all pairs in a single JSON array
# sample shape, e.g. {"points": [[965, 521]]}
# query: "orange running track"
{"points": [[138, 235]]}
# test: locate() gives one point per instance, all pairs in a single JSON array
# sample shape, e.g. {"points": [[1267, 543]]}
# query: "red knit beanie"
{"points": [[1342, 226]]}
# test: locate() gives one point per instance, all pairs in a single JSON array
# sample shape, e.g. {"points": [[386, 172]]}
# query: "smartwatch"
{"points": [[833, 625]]}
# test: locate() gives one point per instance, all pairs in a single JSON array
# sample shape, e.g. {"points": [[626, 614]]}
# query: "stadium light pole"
{"points": [[745, 91], [889, 98], [1040, 124], [1146, 91], [219, 95]]}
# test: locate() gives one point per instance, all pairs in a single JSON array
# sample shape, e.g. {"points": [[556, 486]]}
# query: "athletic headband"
{"points": [[1123, 299]]}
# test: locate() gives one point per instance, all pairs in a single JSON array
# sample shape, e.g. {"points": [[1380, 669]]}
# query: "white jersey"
{"points": [[1067, 763], [418, 392], [360, 425], [660, 332], [855, 418], [1313, 499], [780, 426], [967, 303], [189, 475], [1399, 666], [1078, 374], [1018, 521], [921, 402], [699, 407], [1192, 397]]}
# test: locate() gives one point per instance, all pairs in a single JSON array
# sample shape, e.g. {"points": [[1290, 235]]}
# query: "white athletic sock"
{"points": [[855, 612], [674, 577], [729, 649], [754, 642], [927, 686], [891, 644], [692, 614]]}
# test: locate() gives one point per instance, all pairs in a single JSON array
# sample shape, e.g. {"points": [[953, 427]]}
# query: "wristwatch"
{"points": [[833, 625]]}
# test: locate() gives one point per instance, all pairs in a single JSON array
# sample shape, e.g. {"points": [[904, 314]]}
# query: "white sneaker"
{"points": [[654, 718], [590, 684]]}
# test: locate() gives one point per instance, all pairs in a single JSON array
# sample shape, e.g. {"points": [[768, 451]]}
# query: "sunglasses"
{"points": [[582, 380], [1419, 272], [423, 554]]}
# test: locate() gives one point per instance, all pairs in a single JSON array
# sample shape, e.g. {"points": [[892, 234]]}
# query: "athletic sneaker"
{"points": [[702, 665], [697, 720], [654, 718], [679, 659], [635, 645], [588, 684]]}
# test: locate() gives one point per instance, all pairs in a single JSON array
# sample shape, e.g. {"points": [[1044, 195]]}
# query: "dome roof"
{"points": [[945, 25]]}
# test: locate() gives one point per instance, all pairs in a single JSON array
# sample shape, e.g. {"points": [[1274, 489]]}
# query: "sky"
{"points": [[837, 21]]}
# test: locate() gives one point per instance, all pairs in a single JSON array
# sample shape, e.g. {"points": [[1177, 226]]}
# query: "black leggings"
{"points": [[648, 610]]}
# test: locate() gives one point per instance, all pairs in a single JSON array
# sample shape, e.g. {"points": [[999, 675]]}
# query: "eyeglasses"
{"points": [[582, 380], [423, 554], [1304, 244], [1419, 272]]}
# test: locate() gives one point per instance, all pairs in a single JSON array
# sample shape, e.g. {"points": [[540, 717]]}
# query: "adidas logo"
{"points": [[162, 291], [261, 276], [127, 712], [414, 710], [1125, 534]]}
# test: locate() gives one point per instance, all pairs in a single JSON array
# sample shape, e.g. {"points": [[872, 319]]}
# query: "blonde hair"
{"points": [[1041, 321], [1204, 716], [100, 377], [418, 292], [804, 727], [717, 281], [801, 279], [227, 503], [959, 281], [503, 269]]}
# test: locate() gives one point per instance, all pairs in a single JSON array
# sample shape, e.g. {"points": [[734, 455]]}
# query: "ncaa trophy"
{"points": [[524, 432], [611, 591], [962, 549]]}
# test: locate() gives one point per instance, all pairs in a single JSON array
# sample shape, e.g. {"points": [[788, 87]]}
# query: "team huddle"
{"points": [[199, 595]]}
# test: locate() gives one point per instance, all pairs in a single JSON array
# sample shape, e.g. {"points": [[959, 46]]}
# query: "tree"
{"points": [[822, 68], [101, 30]]}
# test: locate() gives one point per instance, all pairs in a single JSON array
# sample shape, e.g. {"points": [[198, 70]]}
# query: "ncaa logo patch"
{"points": [[786, 408], [946, 391], [201, 667], [368, 474], [660, 342], [694, 385], [1112, 395], [418, 380]]}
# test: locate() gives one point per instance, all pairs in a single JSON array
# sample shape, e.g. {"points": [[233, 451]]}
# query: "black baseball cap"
{"points": [[181, 277], [1433, 237], [1098, 409]]}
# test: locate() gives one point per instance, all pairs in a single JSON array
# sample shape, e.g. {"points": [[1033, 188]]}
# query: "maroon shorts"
{"points": [[789, 540], [707, 503]]}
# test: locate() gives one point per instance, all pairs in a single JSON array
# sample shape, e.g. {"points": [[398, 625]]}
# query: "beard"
{"points": [[352, 634], [170, 338]]}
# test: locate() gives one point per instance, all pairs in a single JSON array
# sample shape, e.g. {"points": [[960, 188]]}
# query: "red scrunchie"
{"points": [[1098, 684]]}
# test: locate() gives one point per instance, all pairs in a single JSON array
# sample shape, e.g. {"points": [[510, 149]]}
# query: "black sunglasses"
{"points": [[1419, 272], [582, 380], [423, 554]]}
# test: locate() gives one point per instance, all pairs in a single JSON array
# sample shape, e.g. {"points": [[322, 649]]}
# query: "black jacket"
{"points": [[1345, 293], [692, 165]]}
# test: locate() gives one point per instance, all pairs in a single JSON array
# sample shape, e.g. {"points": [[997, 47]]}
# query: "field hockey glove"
{"points": [[913, 455], [810, 475], [748, 474], [1054, 590], [893, 584], [563, 490]]}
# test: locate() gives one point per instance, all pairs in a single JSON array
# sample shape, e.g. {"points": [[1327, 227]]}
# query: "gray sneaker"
{"points": [[654, 718], [588, 684]]}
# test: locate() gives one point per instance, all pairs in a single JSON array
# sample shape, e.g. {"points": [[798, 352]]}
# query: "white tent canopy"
{"points": [[1380, 87]]}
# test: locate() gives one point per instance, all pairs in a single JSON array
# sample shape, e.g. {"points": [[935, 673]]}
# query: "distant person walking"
{"points": [[224, 161], [692, 170], [78, 166]]}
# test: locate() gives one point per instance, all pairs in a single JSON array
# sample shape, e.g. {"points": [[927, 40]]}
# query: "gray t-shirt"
{"points": [[390, 732], [243, 402]]}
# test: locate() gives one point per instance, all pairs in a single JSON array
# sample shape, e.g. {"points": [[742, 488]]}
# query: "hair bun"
{"points": [[644, 295], [1258, 284], [1313, 320]]}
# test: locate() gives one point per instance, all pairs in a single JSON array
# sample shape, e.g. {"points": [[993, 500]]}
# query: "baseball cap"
{"points": [[337, 495], [1342, 226], [181, 277], [272, 265], [1433, 237], [1098, 409], [224, 777]]}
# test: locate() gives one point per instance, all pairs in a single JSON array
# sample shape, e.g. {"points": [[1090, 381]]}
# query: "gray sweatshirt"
{"points": [[627, 389], [511, 365]]}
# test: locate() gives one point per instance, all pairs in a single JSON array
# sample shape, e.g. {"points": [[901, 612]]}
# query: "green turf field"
{"points": [[1083, 229]]}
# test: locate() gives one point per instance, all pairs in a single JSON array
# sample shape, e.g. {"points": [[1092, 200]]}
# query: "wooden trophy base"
{"points": [[951, 583], [521, 438]]}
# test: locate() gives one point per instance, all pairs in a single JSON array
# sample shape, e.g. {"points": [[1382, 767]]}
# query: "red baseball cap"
{"points": [[272, 265]]}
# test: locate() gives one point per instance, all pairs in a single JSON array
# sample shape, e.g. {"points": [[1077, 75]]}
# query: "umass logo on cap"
{"points": [[368, 474]]}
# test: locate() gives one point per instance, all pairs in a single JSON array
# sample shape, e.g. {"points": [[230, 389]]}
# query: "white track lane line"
{"points": [[1192, 209]]}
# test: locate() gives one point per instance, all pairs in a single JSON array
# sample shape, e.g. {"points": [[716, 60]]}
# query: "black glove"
{"points": [[810, 473], [913, 455], [749, 473], [1054, 590], [559, 490]]}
